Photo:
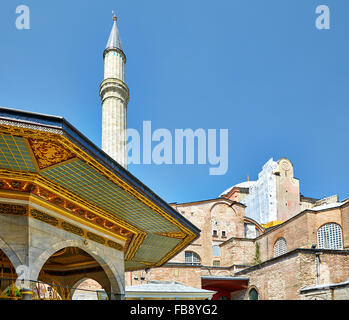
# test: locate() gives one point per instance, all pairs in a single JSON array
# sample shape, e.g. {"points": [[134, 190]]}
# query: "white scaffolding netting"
{"points": [[261, 200]]}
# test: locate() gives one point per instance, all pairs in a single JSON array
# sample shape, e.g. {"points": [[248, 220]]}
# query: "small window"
{"points": [[214, 233], [216, 251], [223, 234], [192, 257], [216, 263], [279, 247], [330, 236], [253, 294], [250, 231]]}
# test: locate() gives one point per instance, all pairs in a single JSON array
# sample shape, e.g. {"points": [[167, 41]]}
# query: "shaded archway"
{"points": [[8, 275], [67, 266], [10, 254], [253, 294], [88, 289], [114, 272]]}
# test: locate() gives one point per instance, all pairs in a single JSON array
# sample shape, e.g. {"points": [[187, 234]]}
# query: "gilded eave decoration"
{"points": [[50, 149]]}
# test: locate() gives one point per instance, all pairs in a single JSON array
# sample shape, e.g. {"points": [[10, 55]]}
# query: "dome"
{"points": [[245, 184]]}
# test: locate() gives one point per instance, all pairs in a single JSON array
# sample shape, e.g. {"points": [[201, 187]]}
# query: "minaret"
{"points": [[115, 95]]}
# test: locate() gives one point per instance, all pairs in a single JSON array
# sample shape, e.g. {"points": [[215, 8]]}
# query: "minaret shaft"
{"points": [[114, 94], [114, 130], [114, 66]]}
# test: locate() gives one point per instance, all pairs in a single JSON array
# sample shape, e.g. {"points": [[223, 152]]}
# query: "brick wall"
{"points": [[299, 232], [219, 215], [238, 251], [282, 278], [345, 225], [279, 278], [188, 275]]}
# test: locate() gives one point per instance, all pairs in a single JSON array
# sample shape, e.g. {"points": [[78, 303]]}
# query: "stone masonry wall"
{"points": [[345, 226], [238, 251], [300, 232], [190, 276], [281, 278]]}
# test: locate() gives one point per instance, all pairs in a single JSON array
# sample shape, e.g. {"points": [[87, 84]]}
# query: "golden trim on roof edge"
{"points": [[62, 140]]}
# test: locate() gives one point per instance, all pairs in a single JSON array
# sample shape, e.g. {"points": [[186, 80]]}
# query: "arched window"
{"points": [[251, 231], [279, 247], [253, 294], [329, 236], [216, 251], [192, 257]]}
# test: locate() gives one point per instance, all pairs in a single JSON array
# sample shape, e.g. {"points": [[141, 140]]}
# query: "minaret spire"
{"points": [[114, 94], [114, 41]]}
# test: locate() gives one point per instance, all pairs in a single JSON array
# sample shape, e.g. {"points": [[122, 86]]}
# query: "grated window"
{"points": [[279, 247], [329, 236], [191, 257], [216, 263]]}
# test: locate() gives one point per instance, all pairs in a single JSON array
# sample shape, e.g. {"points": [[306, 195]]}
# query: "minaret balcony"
{"points": [[114, 88]]}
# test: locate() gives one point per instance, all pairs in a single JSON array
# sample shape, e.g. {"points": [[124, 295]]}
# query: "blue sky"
{"points": [[259, 68]]}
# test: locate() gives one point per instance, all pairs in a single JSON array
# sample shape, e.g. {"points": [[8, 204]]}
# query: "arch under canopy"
{"points": [[68, 267]]}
